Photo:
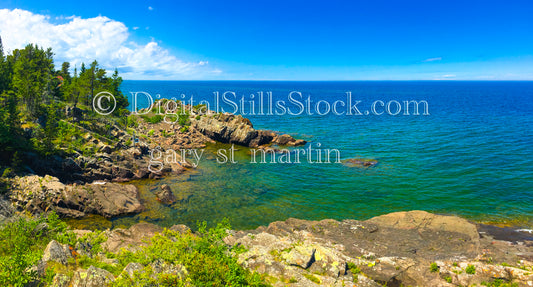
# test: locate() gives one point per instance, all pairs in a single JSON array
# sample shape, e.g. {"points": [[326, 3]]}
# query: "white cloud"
{"points": [[80, 40], [433, 59], [150, 8], [445, 77]]}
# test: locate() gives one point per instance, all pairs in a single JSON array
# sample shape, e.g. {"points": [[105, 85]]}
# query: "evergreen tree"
{"points": [[4, 70], [32, 72]]}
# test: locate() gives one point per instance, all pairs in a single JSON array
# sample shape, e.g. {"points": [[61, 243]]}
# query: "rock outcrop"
{"points": [[38, 194], [229, 128], [395, 249]]}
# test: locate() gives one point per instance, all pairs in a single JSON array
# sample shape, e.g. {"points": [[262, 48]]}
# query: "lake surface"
{"points": [[471, 156]]}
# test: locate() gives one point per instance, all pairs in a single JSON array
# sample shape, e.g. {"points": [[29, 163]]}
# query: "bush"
{"points": [[22, 243], [8, 172], [206, 258], [470, 269], [434, 267], [153, 120]]}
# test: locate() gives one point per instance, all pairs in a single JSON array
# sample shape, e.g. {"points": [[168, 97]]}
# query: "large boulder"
{"points": [[56, 252], [130, 238], [92, 277], [39, 194]]}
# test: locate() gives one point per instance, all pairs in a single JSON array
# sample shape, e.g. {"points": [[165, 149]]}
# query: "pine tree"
{"points": [[32, 72]]}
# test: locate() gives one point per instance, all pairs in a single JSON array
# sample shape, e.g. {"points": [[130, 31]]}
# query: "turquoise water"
{"points": [[472, 156]]}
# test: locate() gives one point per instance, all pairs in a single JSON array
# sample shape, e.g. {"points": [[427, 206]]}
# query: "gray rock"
{"points": [[92, 277], [57, 252], [130, 238], [132, 267], [181, 228], [60, 280]]}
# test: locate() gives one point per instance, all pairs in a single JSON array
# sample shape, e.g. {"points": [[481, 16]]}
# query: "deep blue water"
{"points": [[472, 156]]}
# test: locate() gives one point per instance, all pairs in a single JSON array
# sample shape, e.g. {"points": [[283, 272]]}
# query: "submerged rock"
{"points": [[360, 162], [165, 195]]}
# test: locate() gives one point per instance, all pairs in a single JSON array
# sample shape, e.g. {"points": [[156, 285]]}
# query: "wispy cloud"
{"points": [[446, 77], [433, 59], [80, 40], [150, 8]]}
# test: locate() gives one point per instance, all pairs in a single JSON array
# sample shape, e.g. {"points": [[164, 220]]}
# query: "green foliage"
{"points": [[21, 245], [183, 118], [132, 121], [32, 71], [205, 257], [448, 279], [470, 269], [8, 172], [33, 96], [354, 268], [85, 262], [153, 119], [355, 271], [434, 267], [92, 242], [499, 283], [312, 278]]}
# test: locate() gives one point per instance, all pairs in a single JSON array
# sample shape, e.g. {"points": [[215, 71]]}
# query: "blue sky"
{"points": [[311, 40]]}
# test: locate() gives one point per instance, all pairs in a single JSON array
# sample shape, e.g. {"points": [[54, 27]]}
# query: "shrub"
{"points": [[206, 258], [21, 245], [153, 120], [434, 267], [470, 269]]}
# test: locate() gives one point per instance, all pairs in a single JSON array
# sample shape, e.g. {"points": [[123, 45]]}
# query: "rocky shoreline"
{"points": [[76, 185], [413, 248]]}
